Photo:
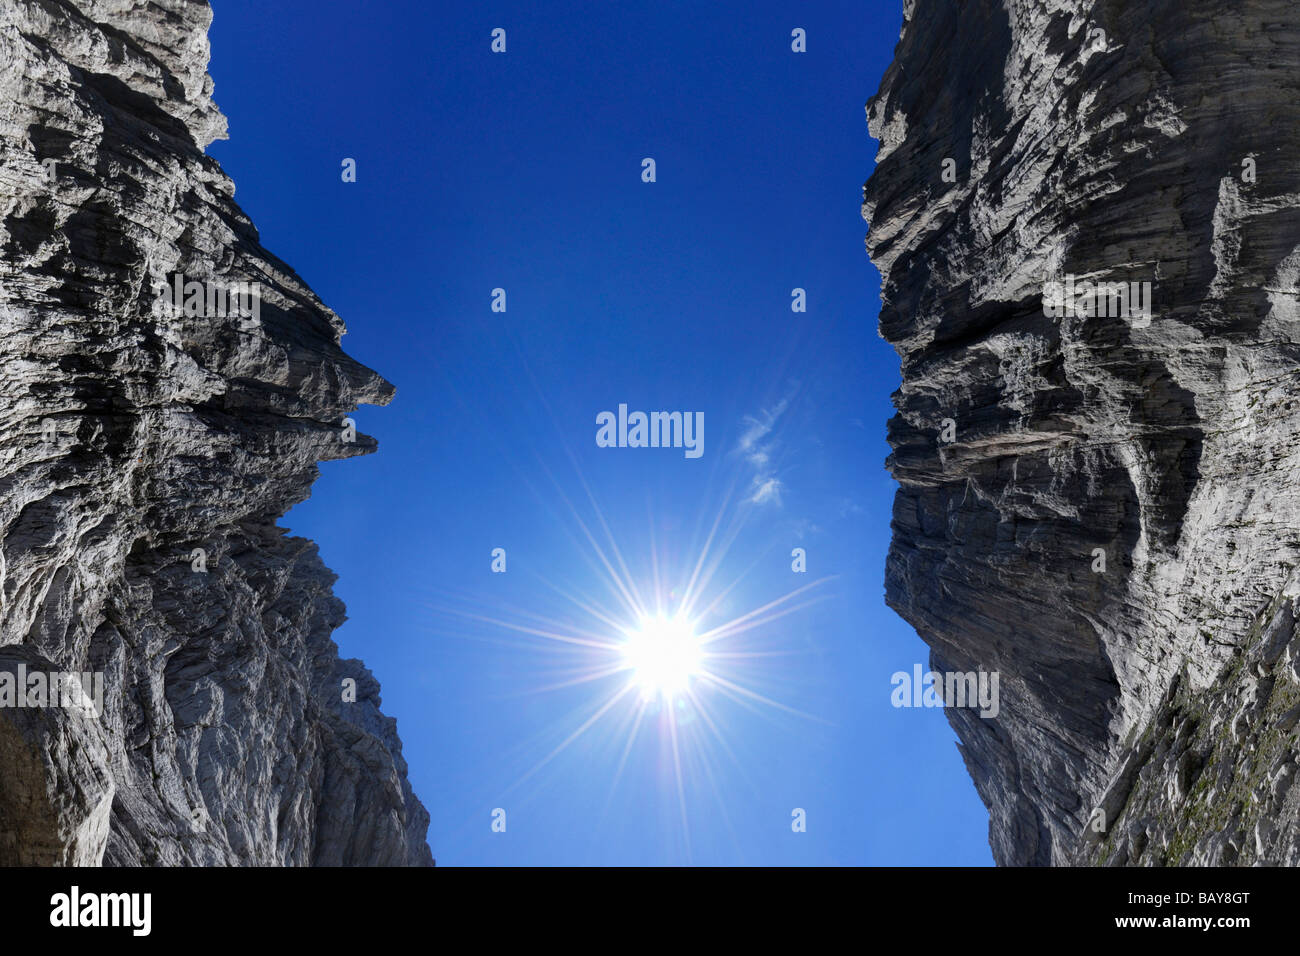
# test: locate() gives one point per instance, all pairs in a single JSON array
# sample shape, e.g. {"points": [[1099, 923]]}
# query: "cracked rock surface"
{"points": [[1114, 524], [129, 437]]}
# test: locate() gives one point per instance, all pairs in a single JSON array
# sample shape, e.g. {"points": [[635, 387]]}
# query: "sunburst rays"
{"points": [[607, 636]]}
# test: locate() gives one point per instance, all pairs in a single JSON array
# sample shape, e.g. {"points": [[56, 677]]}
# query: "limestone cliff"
{"points": [[1101, 505], [133, 436]]}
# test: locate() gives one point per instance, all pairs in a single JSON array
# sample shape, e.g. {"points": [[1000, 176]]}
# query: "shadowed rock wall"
{"points": [[1148, 710], [129, 437]]}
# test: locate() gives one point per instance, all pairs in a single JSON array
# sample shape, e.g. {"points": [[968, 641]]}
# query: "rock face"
{"points": [[1102, 508], [131, 435]]}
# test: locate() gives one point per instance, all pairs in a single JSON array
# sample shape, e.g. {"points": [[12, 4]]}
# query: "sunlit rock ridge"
{"points": [[1148, 711], [129, 437]]}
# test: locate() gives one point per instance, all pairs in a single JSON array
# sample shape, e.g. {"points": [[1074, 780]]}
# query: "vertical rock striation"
{"points": [[130, 437], [1148, 710]]}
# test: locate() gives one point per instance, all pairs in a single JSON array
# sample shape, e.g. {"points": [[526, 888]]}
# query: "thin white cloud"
{"points": [[757, 446], [769, 489]]}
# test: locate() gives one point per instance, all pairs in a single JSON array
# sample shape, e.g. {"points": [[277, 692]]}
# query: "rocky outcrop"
{"points": [[1102, 505], [146, 452]]}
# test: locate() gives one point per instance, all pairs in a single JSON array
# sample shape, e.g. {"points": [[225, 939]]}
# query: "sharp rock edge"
{"points": [[1148, 712], [224, 738]]}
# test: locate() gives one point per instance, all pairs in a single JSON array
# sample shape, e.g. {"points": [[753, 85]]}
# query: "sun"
{"points": [[664, 654]]}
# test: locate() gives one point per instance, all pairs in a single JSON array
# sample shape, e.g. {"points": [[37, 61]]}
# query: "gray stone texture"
{"points": [[224, 738], [1103, 140]]}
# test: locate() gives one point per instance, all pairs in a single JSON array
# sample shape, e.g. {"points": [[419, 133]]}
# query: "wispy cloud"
{"points": [[769, 489], [758, 445]]}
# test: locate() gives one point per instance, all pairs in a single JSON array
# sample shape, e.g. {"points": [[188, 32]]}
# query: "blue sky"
{"points": [[523, 171]]}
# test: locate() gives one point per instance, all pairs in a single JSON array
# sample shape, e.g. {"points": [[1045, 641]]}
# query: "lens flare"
{"points": [[664, 654], [672, 657]]}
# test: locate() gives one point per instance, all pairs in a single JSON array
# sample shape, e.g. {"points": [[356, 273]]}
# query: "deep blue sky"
{"points": [[523, 171]]}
